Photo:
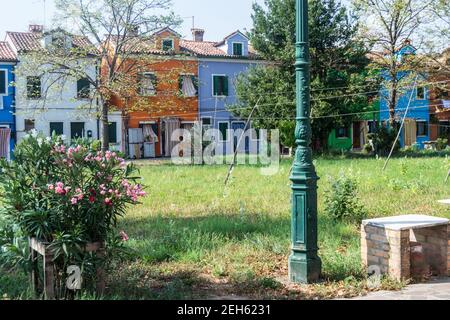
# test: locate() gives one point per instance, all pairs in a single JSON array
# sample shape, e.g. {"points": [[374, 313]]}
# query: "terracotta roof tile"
{"points": [[28, 41], [210, 49], [6, 53]]}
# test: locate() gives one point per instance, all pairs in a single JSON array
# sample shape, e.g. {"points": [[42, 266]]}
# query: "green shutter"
{"points": [[112, 129], [237, 49], [56, 128], [225, 86], [83, 88], [223, 128], [216, 85], [3, 85]]}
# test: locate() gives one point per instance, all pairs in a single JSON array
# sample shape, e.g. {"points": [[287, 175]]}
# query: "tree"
{"points": [[338, 69], [394, 24], [112, 26]]}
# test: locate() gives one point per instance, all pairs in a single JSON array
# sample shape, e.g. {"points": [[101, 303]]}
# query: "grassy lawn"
{"points": [[194, 238]]}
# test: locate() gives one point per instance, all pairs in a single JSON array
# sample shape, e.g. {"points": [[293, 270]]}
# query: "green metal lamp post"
{"points": [[304, 263]]}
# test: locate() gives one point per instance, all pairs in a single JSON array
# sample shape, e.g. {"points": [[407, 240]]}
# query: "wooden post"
{"points": [[49, 276], [34, 271], [101, 273]]}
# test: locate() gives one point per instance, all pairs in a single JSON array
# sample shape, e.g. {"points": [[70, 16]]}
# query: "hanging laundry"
{"points": [[188, 87]]}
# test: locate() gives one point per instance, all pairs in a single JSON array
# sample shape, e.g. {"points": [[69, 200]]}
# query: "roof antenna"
{"points": [[193, 20]]}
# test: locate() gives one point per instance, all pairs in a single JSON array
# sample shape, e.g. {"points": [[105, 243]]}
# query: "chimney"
{"points": [[198, 34], [36, 28]]}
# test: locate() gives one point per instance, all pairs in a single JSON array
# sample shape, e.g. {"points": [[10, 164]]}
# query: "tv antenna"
{"points": [[193, 20]]}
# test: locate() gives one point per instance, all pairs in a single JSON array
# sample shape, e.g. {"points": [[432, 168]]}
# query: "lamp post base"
{"points": [[304, 269]]}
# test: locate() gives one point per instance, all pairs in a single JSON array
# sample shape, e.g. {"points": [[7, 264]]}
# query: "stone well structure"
{"points": [[410, 246]]}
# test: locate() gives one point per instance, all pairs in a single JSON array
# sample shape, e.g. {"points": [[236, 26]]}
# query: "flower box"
{"points": [[48, 287]]}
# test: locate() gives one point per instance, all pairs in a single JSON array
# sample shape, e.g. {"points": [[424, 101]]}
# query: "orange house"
{"points": [[165, 97], [440, 100]]}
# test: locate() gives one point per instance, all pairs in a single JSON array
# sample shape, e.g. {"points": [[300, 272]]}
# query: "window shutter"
{"points": [[195, 82], [216, 85], [57, 128], [112, 130], [3, 85], [225, 86]]}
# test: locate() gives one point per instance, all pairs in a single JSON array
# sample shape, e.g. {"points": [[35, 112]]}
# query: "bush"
{"points": [[441, 144], [383, 140], [341, 201], [64, 196]]}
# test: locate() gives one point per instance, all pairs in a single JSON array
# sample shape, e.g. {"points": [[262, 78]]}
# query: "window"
{"points": [[29, 125], [220, 86], [237, 49], [444, 129], [34, 87], [76, 130], [223, 129], [3, 82], [167, 44], [342, 133], [147, 84], [112, 132], [83, 88], [56, 128], [372, 126], [422, 128], [421, 93], [207, 123], [188, 85]]}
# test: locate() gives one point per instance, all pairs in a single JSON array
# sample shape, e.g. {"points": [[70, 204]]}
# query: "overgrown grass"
{"points": [[194, 238]]}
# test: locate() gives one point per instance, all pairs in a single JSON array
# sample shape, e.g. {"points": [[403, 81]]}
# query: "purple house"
{"points": [[219, 65]]}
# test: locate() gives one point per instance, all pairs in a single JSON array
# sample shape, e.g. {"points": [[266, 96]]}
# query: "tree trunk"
{"points": [[392, 105], [104, 127]]}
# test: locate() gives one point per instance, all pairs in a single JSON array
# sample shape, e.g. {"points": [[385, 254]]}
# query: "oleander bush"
{"points": [[65, 196]]}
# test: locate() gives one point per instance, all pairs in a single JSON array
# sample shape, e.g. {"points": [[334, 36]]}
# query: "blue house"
{"points": [[416, 129], [220, 63], [8, 61]]}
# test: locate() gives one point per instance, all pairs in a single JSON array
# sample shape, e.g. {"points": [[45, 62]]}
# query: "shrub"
{"points": [[383, 140], [341, 201], [441, 144], [66, 196]]}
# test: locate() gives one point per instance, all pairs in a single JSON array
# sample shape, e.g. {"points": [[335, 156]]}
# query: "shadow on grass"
{"points": [[233, 248]]}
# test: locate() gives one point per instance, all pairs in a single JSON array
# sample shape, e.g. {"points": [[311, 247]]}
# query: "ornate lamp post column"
{"points": [[304, 263]]}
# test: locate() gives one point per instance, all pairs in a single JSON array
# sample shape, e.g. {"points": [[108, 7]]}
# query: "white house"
{"points": [[49, 103]]}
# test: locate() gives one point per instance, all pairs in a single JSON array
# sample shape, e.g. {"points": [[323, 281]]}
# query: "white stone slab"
{"points": [[406, 222], [445, 201]]}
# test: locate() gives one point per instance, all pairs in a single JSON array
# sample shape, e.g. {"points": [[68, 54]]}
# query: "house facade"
{"points": [[48, 105], [165, 98], [220, 63], [8, 61], [440, 100], [416, 130]]}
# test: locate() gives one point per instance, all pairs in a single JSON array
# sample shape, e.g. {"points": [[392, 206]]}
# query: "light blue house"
{"points": [[8, 61], [220, 63], [416, 129]]}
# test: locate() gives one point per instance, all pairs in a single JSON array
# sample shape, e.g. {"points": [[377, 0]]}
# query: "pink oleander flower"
{"points": [[124, 236], [74, 201], [108, 201], [59, 189], [51, 187]]}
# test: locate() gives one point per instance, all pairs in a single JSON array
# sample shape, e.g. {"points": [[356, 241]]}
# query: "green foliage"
{"points": [[382, 141], [338, 62], [64, 196], [341, 201], [441, 144]]}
